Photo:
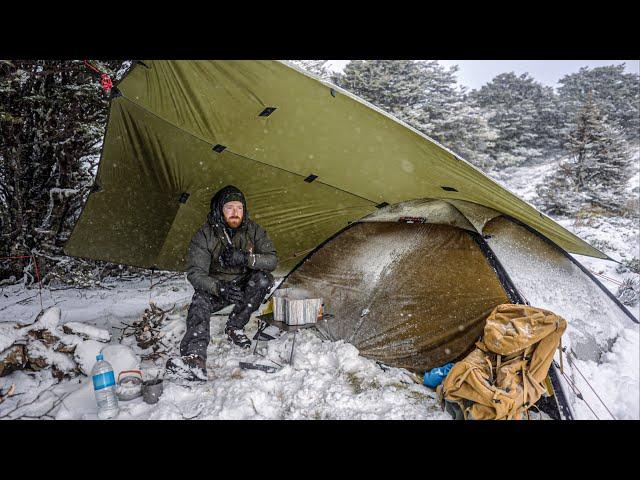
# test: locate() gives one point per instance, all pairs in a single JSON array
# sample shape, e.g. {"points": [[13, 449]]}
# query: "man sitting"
{"points": [[229, 261]]}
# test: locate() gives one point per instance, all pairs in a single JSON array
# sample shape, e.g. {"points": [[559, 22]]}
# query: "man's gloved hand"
{"points": [[234, 257], [230, 292]]}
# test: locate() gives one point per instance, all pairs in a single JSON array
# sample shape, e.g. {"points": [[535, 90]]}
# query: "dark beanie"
{"points": [[232, 197]]}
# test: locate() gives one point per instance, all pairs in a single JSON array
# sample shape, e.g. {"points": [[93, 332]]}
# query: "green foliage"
{"points": [[525, 115], [629, 292], [632, 265], [616, 94], [597, 171], [396, 86]]}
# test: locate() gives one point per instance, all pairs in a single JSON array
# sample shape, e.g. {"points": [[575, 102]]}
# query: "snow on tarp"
{"points": [[600, 334], [428, 210]]}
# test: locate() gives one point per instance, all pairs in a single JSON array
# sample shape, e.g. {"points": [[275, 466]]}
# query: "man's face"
{"points": [[233, 213]]}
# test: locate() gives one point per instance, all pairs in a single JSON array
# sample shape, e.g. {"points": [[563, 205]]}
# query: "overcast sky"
{"points": [[475, 73]]}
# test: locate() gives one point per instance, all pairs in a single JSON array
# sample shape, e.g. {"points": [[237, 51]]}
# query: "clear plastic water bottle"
{"points": [[104, 386]]}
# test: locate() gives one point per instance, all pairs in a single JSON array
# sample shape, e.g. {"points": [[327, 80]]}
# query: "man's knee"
{"points": [[261, 280], [203, 304]]}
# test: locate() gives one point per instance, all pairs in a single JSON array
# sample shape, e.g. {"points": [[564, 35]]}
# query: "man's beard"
{"points": [[234, 222]]}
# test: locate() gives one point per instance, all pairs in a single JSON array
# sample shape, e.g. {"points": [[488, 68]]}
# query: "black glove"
{"points": [[234, 257], [230, 292]]}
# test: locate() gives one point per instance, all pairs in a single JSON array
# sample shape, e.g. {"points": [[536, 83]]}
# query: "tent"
{"points": [[403, 237], [412, 284]]}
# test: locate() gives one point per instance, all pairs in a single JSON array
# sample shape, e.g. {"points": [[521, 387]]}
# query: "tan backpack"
{"points": [[505, 375]]}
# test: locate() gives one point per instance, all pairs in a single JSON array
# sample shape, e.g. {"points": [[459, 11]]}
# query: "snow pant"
{"points": [[254, 286]]}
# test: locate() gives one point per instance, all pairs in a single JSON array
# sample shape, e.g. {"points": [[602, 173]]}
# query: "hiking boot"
{"points": [[189, 367], [237, 336]]}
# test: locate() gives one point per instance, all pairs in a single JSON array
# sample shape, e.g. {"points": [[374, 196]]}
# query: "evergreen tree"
{"points": [[525, 115], [549, 122], [449, 116], [395, 86], [466, 131], [52, 116], [596, 173], [616, 93]]}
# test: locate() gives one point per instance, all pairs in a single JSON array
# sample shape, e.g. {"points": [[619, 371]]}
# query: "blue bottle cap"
{"points": [[99, 357]]}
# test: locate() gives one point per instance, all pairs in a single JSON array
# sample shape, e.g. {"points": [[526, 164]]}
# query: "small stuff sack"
{"points": [[435, 376], [505, 374]]}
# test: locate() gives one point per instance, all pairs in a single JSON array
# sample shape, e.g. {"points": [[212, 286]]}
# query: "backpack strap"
{"points": [[491, 378], [525, 361], [560, 352]]}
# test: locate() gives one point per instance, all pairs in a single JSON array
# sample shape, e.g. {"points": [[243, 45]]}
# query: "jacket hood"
{"points": [[222, 196]]}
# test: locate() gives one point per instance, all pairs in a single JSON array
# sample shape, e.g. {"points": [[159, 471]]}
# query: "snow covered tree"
{"points": [[393, 85], [467, 133], [597, 172], [525, 115], [448, 116], [52, 116], [629, 292], [616, 93]]}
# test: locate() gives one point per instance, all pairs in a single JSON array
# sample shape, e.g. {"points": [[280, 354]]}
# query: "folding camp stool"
{"points": [[267, 319]]}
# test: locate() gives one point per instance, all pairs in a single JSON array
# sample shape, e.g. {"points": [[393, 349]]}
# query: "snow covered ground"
{"points": [[328, 380]]}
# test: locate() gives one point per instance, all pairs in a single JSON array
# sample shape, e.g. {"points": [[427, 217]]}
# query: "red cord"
{"points": [[86, 62], [612, 280], [107, 84], [105, 79]]}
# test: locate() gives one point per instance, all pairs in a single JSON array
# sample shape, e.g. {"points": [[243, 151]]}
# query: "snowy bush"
{"points": [[629, 292], [632, 265]]}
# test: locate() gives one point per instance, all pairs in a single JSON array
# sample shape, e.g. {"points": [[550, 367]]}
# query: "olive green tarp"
{"points": [[179, 130]]}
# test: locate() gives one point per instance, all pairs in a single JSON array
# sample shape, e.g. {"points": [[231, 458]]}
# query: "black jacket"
{"points": [[204, 269]]}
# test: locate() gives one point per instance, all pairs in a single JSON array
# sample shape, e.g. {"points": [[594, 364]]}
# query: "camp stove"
{"points": [[294, 307]]}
